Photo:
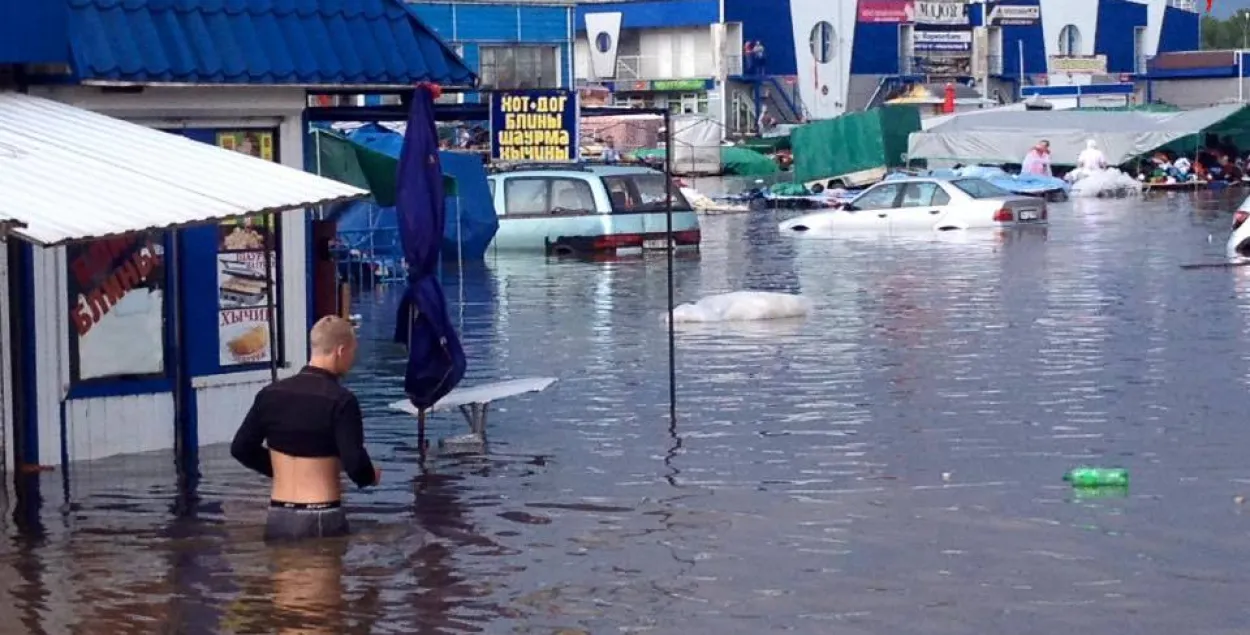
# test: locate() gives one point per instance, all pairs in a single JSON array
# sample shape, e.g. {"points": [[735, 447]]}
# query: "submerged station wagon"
{"points": [[588, 209]]}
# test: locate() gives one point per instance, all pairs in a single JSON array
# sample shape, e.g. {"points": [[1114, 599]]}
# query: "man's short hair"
{"points": [[329, 333]]}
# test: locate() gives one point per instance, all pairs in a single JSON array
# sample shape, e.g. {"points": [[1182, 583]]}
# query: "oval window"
{"points": [[822, 42], [1069, 40]]}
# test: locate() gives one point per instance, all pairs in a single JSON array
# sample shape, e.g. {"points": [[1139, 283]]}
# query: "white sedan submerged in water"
{"points": [[927, 203], [1238, 245]]}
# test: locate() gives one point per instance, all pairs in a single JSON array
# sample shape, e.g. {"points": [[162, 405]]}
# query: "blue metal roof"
{"points": [[300, 42], [654, 14]]}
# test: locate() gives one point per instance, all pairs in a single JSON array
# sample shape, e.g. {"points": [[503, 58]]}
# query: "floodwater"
{"points": [[890, 464]]}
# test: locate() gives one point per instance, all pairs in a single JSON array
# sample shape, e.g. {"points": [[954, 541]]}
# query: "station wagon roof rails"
{"points": [[579, 166]]}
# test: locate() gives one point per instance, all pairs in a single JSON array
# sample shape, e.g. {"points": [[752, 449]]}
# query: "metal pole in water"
{"points": [[1020, 59], [421, 433], [668, 219], [186, 452], [1241, 77], [421, 443], [271, 222]]}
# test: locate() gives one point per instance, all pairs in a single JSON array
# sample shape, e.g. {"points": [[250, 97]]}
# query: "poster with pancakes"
{"points": [[245, 294], [244, 299]]}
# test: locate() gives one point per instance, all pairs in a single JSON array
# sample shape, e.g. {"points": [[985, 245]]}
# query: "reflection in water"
{"points": [[891, 460], [308, 592]]}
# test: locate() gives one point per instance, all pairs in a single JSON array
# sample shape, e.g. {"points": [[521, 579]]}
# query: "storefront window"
{"points": [[630, 101], [519, 67], [117, 307], [686, 103], [246, 283]]}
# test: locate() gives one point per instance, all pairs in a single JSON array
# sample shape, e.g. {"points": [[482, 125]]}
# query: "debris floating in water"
{"points": [[1097, 477], [742, 306], [1108, 183]]}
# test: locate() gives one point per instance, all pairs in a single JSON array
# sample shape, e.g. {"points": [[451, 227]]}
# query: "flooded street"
{"points": [[890, 464]]}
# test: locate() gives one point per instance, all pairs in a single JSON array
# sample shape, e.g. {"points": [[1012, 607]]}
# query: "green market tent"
{"points": [[471, 222], [766, 145], [734, 160], [354, 164], [853, 142]]}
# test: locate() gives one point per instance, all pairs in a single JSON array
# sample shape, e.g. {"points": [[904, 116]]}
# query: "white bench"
{"points": [[474, 403]]}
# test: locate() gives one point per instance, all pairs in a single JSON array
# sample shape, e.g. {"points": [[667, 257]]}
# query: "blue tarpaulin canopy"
{"points": [[471, 220], [436, 361]]}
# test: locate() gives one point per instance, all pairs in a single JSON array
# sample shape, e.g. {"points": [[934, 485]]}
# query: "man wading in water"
{"points": [[301, 431]]}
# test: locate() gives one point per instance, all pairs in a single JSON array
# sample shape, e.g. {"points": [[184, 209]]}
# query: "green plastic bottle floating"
{"points": [[1097, 477]]}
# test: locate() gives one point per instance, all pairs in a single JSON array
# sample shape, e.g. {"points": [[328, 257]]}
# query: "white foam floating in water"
{"points": [[1103, 184], [743, 306], [703, 204]]}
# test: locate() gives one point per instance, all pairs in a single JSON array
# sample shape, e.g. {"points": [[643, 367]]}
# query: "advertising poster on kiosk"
{"points": [[245, 294]]}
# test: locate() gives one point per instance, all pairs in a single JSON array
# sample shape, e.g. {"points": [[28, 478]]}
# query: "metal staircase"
{"points": [[782, 102], [888, 85]]}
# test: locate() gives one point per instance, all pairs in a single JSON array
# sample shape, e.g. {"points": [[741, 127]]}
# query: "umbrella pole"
{"points": [[668, 220], [421, 442], [421, 432], [460, 254]]}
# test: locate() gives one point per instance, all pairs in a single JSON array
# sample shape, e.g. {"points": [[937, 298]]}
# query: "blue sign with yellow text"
{"points": [[538, 126]]}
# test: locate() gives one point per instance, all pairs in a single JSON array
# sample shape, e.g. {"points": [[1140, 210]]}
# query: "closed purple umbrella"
{"points": [[436, 360]]}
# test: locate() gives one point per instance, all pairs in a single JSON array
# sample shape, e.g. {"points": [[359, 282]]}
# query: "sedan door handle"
{"points": [[881, 215], [935, 211]]}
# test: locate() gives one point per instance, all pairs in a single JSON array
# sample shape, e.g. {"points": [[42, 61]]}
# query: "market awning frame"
{"points": [[1002, 136], [71, 175]]}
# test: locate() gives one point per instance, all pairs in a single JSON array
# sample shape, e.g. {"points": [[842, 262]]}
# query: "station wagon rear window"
{"points": [[633, 193], [548, 195]]}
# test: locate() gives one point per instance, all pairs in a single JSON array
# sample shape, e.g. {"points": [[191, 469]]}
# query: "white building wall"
{"points": [[1083, 14], [824, 87], [51, 349], [108, 426], [581, 58], [684, 53], [1154, 25]]}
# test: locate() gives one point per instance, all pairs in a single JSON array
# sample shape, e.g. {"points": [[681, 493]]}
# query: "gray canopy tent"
{"points": [[1005, 137]]}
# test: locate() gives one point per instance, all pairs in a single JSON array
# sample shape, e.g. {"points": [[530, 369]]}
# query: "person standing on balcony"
{"points": [[760, 59], [748, 58]]}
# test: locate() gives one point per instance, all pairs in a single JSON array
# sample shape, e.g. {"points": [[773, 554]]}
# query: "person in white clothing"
{"points": [[1091, 158]]}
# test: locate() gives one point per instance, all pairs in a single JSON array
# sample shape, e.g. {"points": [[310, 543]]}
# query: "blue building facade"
{"points": [[509, 45], [836, 57]]}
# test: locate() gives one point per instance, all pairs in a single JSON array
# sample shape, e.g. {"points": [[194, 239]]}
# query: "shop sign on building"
{"points": [[941, 12], [886, 11], [1014, 15], [942, 42], [1078, 64]]}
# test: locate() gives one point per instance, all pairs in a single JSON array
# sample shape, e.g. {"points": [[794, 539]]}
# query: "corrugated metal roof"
{"points": [[304, 42], [70, 174]]}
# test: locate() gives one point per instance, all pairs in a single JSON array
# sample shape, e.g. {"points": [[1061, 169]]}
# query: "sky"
{"points": [[1224, 8]]}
